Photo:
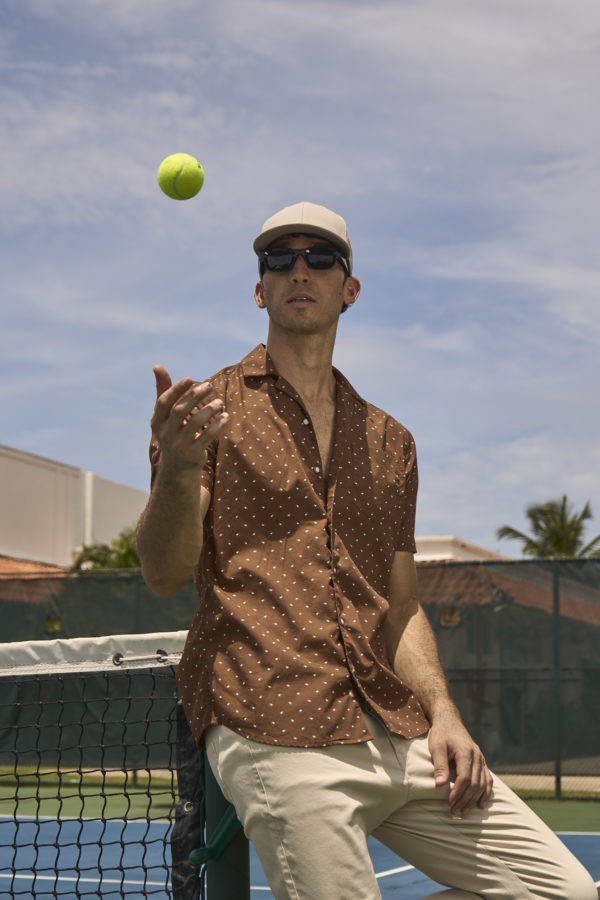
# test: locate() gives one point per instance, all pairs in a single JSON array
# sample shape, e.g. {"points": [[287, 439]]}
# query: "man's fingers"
{"points": [[195, 438], [214, 428], [459, 795], [487, 793], [457, 759], [441, 763], [189, 425], [176, 402], [163, 379], [185, 420], [473, 784], [198, 418]]}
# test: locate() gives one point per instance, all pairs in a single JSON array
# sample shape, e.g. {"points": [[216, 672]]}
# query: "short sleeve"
{"points": [[400, 443]]}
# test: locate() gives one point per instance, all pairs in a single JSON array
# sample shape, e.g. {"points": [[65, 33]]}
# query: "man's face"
{"points": [[305, 300]]}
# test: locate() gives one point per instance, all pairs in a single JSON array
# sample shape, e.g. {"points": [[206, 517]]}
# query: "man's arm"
{"points": [[170, 531], [413, 651]]}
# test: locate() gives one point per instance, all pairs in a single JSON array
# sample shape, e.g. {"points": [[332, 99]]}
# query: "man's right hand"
{"points": [[170, 530], [185, 419]]}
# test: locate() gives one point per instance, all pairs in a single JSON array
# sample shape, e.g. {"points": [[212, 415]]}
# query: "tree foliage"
{"points": [[556, 530], [119, 554]]}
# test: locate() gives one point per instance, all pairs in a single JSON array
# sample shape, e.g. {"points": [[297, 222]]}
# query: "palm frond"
{"points": [[556, 530]]}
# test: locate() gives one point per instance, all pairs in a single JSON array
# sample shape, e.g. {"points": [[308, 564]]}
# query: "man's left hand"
{"points": [[457, 758]]}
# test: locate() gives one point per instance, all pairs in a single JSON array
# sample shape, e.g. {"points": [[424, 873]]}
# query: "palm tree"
{"points": [[556, 531]]}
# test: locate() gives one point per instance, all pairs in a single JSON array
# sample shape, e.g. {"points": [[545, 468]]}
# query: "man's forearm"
{"points": [[170, 531], [413, 651], [411, 642], [417, 663]]}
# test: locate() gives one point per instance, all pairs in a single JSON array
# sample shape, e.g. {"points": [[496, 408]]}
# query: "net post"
{"points": [[228, 877]]}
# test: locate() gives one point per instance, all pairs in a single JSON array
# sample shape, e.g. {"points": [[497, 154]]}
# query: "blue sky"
{"points": [[459, 140]]}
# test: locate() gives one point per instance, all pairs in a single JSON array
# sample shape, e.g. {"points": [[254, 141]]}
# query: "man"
{"points": [[310, 672]]}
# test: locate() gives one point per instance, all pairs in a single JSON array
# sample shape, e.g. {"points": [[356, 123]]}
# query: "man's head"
{"points": [[327, 243], [307, 219]]}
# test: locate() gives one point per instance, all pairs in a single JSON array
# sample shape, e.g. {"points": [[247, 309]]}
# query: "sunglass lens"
{"points": [[284, 260], [321, 259], [279, 262]]}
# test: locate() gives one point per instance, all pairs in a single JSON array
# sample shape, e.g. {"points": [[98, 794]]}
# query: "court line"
{"points": [[393, 871], [34, 819], [58, 879], [99, 881], [583, 833]]}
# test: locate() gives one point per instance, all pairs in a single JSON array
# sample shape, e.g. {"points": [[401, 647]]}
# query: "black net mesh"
{"points": [[100, 786]]}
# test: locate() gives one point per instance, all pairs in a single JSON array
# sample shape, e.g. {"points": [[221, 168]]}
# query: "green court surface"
{"points": [[89, 794], [568, 815]]}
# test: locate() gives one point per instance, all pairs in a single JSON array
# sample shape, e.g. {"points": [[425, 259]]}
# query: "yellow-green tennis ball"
{"points": [[180, 176]]}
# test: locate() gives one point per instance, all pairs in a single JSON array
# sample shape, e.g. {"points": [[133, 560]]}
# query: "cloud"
{"points": [[459, 140], [487, 487]]}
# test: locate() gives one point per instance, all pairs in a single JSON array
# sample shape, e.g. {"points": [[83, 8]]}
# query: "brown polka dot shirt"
{"points": [[293, 579]]}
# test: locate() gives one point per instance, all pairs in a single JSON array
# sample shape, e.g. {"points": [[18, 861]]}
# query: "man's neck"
{"points": [[305, 361]]}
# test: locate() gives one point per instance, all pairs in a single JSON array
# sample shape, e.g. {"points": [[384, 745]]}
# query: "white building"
{"points": [[440, 548], [49, 509]]}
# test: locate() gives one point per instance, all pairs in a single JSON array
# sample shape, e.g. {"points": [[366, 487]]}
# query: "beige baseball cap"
{"points": [[306, 218]]}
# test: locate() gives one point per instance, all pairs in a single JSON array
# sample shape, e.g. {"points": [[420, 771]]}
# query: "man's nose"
{"points": [[300, 271]]}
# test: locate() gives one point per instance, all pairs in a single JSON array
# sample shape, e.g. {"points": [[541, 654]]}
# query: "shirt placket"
{"points": [[327, 497], [313, 468], [308, 448]]}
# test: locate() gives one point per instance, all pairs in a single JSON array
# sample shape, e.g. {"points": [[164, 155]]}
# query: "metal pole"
{"points": [[556, 679], [228, 877]]}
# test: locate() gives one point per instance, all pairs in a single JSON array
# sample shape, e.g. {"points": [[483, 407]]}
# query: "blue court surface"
{"points": [[397, 879], [95, 849]]}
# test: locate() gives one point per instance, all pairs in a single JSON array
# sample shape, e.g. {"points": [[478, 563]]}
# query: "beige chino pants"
{"points": [[308, 813]]}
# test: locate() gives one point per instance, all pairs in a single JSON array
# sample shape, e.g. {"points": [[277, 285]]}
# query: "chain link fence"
{"points": [[520, 642]]}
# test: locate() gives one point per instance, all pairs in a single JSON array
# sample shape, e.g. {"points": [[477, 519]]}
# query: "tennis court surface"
{"points": [[91, 771], [132, 859]]}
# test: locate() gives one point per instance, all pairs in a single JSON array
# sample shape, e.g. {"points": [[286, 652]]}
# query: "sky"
{"points": [[461, 143]]}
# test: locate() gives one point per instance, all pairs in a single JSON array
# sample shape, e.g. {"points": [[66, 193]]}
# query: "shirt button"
{"points": [[305, 421]]}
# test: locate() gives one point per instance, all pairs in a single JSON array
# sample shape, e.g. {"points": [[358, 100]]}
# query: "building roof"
{"points": [[9, 565], [526, 583], [448, 548]]}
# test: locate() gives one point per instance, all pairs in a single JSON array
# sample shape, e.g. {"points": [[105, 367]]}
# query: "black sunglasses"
{"points": [[282, 259]]}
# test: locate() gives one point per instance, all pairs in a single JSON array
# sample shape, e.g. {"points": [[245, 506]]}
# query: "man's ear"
{"points": [[259, 295], [351, 290]]}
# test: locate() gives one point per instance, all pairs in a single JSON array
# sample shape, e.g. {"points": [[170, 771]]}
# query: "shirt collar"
{"points": [[258, 362]]}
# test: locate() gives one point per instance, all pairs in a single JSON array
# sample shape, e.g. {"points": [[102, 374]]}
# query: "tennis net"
{"points": [[100, 790]]}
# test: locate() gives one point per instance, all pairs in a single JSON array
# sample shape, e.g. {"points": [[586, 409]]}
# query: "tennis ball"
{"points": [[180, 176]]}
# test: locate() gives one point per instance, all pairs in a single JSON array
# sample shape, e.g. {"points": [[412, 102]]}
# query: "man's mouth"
{"points": [[301, 299]]}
